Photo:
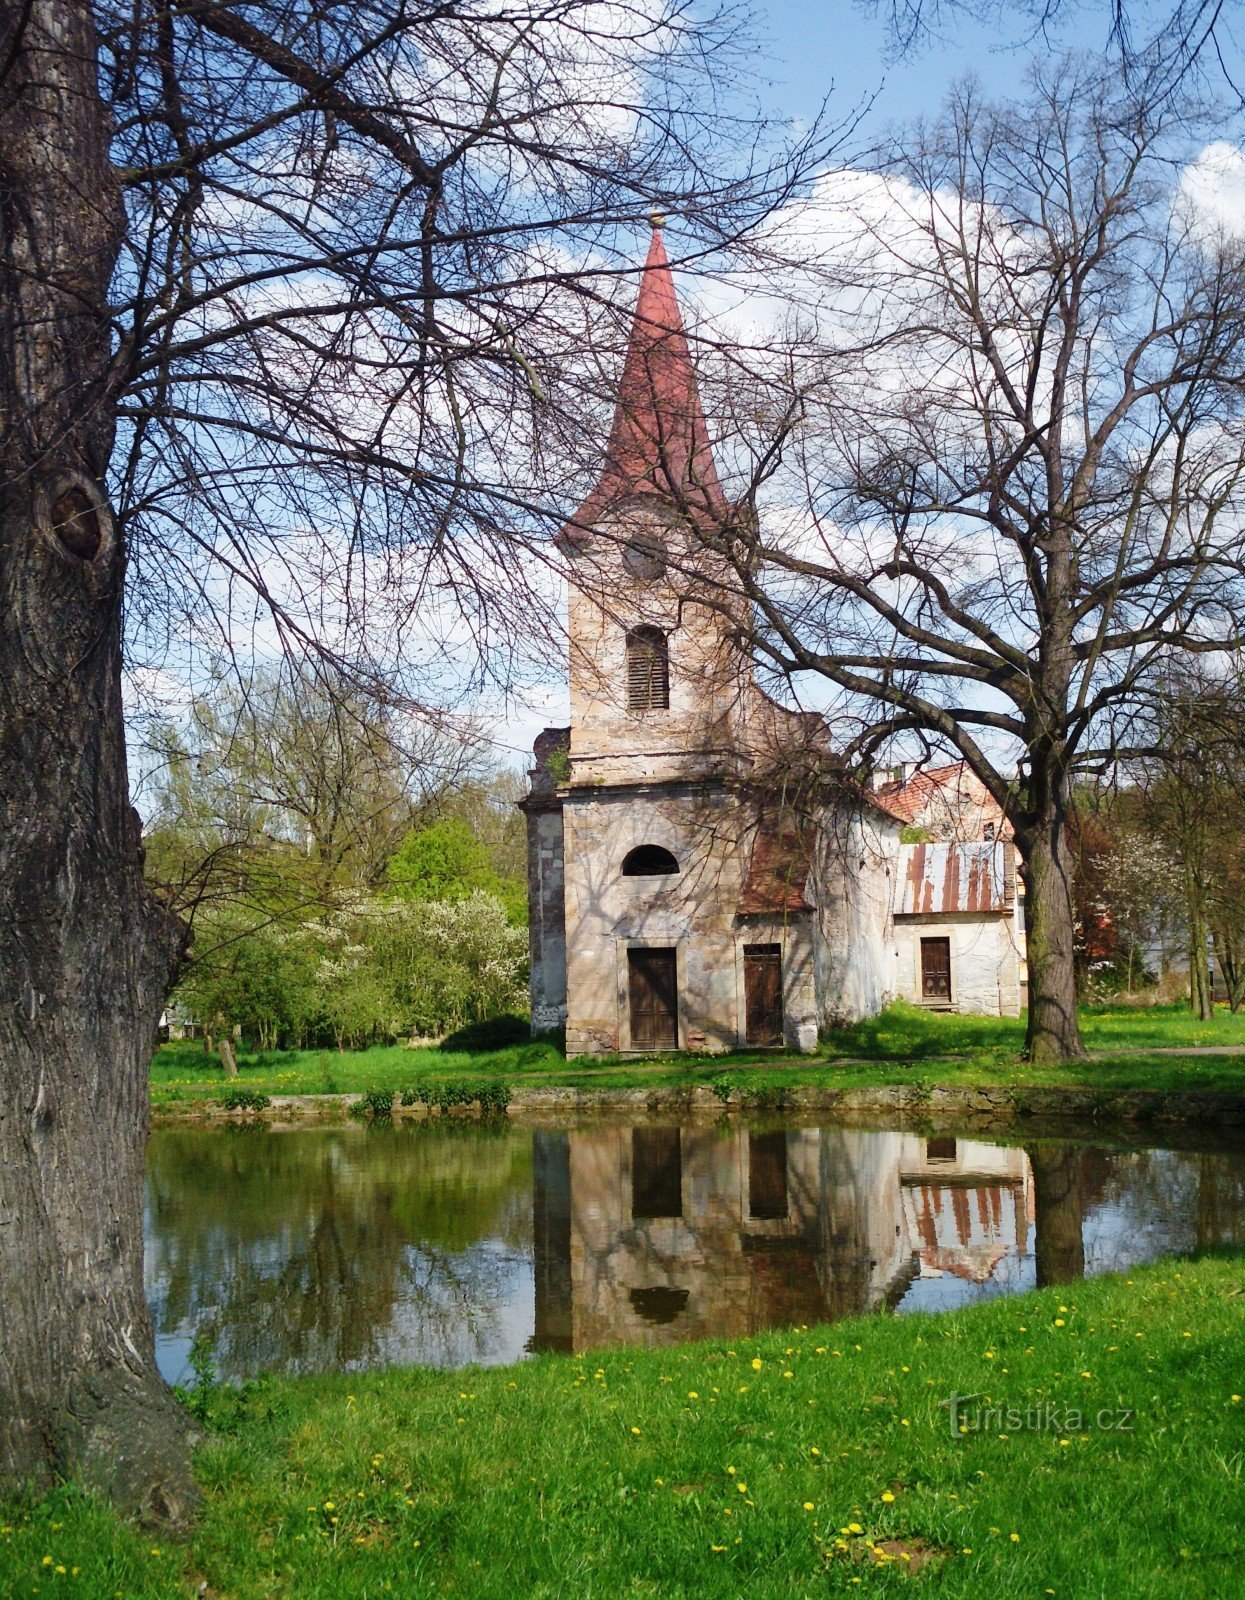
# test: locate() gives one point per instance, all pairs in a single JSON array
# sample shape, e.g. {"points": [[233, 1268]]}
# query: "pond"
{"points": [[352, 1247]]}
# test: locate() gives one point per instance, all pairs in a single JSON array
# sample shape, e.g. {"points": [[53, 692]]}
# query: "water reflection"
{"points": [[352, 1247]]}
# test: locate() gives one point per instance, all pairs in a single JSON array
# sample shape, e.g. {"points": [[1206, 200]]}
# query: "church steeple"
{"points": [[659, 443]]}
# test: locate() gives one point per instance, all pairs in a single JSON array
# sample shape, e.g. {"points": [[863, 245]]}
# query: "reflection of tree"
{"points": [[1220, 1200], [325, 1249], [1059, 1210]]}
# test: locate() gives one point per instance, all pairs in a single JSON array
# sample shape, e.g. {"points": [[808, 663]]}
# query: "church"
{"points": [[700, 875]]}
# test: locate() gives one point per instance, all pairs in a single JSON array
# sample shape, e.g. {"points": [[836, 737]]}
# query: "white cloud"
{"points": [[1211, 195]]}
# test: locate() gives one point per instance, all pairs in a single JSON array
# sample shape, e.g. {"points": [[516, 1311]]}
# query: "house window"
{"points": [[936, 969], [648, 670], [987, 833], [648, 861], [656, 1173], [940, 1149]]}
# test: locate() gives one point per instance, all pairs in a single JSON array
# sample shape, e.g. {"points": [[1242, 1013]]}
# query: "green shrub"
{"points": [[244, 1100], [376, 1104], [493, 1097]]}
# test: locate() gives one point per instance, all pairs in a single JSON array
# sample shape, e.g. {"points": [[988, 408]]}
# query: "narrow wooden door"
{"points": [[936, 969], [652, 982], [763, 993]]}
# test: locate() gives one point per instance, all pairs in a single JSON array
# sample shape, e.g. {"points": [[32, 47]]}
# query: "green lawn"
{"points": [[902, 1046], [784, 1466]]}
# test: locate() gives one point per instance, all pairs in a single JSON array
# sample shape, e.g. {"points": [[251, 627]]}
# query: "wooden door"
{"points": [[653, 992], [763, 993], [936, 969]]}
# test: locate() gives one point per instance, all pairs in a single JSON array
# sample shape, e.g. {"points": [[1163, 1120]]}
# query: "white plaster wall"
{"points": [[853, 880], [986, 961]]}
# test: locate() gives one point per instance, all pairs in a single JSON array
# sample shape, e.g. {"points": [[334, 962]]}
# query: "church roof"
{"points": [[659, 442], [782, 854]]}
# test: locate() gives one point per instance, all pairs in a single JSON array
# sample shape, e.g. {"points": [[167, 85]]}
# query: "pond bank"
{"points": [[979, 1107], [807, 1461]]}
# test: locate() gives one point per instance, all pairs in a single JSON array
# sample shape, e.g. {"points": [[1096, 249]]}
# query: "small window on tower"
{"points": [[648, 670]]}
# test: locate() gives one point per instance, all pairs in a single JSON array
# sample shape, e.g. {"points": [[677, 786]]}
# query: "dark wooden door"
{"points": [[763, 993], [653, 990], [936, 969]]}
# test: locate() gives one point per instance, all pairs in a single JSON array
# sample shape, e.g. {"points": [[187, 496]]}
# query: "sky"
{"points": [[814, 48]]}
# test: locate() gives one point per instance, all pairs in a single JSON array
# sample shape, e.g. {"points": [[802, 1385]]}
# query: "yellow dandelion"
{"points": [[887, 1498], [757, 1363]]}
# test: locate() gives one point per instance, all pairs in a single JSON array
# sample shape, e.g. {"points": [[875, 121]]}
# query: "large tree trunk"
{"points": [[85, 955], [1053, 1032]]}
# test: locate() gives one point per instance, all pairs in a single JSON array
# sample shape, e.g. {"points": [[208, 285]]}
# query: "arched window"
{"points": [[648, 861], [648, 670]]}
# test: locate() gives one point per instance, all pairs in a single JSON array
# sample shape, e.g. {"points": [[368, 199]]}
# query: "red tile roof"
{"points": [[782, 855], [659, 443]]}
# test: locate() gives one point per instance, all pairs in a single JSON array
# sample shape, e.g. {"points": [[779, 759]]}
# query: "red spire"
{"points": [[659, 444]]}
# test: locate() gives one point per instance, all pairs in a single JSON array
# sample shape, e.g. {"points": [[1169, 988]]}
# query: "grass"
{"points": [[904, 1045], [770, 1467]]}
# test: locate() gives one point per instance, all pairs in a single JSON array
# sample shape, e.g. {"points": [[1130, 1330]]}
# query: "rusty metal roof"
{"points": [[942, 879]]}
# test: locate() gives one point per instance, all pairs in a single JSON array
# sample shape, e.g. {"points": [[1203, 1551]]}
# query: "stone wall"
{"points": [[704, 828], [546, 912]]}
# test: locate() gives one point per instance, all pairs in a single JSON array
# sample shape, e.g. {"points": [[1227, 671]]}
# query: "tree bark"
{"points": [[85, 953], [1200, 1001], [1053, 1033]]}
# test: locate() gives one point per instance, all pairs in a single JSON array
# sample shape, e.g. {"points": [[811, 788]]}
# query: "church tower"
{"points": [[657, 688], [650, 927]]}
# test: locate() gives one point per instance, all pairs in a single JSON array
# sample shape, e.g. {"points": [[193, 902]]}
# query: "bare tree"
{"points": [[1021, 455], [1187, 772], [1178, 38], [287, 290]]}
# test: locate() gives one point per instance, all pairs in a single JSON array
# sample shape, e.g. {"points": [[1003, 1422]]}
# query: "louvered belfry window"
{"points": [[648, 670]]}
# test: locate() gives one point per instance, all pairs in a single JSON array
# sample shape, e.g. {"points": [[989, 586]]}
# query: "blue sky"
{"points": [[818, 45]]}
